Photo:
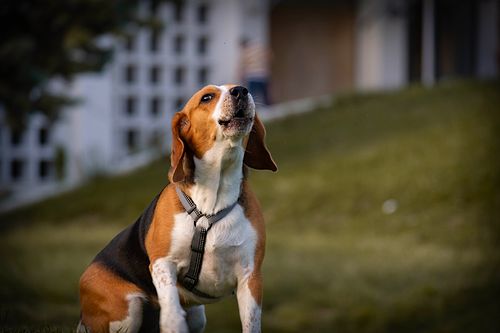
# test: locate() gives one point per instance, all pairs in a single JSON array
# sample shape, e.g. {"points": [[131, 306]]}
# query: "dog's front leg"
{"points": [[249, 294], [172, 316]]}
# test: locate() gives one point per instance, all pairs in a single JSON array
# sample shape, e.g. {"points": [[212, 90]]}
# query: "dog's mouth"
{"points": [[239, 122], [235, 121]]}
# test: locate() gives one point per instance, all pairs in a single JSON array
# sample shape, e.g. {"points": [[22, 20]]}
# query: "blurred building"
{"points": [[123, 120], [320, 46], [317, 47]]}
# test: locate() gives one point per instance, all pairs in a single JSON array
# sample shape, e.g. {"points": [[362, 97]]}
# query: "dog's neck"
{"points": [[218, 176]]}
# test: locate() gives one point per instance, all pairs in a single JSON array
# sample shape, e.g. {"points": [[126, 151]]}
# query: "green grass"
{"points": [[335, 261]]}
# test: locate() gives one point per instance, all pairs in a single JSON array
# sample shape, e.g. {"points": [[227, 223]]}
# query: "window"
{"points": [[43, 136], [203, 76], [16, 169], [155, 106], [16, 137], [179, 103], [179, 75], [129, 43], [154, 42], [178, 11], [202, 13], [179, 44], [130, 105], [132, 139], [155, 74], [44, 167], [154, 4], [130, 73], [202, 45]]}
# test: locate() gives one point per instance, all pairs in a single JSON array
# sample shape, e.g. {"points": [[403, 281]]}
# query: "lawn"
{"points": [[383, 217]]}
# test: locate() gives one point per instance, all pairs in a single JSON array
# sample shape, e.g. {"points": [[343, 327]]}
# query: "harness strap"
{"points": [[199, 239]]}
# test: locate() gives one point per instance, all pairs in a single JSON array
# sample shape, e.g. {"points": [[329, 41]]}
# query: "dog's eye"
{"points": [[207, 98]]}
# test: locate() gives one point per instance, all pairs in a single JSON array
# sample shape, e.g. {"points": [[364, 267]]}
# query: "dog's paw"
{"points": [[173, 322]]}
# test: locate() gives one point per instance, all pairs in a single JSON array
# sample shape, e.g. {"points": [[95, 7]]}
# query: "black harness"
{"points": [[202, 224]]}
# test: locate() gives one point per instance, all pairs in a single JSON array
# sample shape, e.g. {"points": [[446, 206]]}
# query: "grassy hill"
{"points": [[384, 217]]}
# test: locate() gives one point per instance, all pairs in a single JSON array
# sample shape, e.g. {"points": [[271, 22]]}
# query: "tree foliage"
{"points": [[42, 40]]}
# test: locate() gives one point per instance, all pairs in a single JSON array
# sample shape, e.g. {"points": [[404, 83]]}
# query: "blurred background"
{"points": [[383, 117]]}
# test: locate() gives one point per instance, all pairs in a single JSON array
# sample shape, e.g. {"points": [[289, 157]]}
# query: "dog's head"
{"points": [[218, 114]]}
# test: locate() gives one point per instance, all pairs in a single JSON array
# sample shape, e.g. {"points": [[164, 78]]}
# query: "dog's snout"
{"points": [[240, 113], [239, 92]]}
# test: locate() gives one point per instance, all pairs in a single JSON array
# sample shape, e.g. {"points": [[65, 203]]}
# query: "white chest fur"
{"points": [[229, 253]]}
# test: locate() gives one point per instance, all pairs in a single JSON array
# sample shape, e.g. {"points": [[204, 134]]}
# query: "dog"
{"points": [[201, 239]]}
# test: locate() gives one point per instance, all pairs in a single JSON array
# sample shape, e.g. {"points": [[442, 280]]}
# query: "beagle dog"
{"points": [[157, 274]]}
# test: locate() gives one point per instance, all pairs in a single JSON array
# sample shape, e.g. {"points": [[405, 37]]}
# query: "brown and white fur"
{"points": [[214, 139]]}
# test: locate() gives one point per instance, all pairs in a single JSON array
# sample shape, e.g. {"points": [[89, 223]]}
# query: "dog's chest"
{"points": [[229, 251]]}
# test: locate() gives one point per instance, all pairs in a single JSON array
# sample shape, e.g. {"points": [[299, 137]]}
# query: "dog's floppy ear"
{"points": [[257, 156], [176, 173]]}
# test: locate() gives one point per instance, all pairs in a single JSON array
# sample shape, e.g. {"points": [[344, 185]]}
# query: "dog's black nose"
{"points": [[238, 92]]}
